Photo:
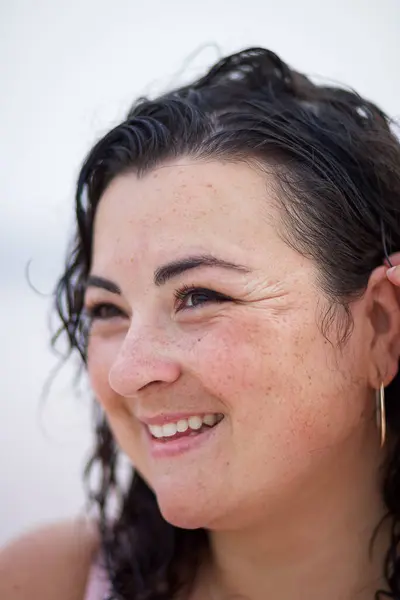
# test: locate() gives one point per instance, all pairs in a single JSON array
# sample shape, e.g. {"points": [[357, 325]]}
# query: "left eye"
{"points": [[189, 297], [103, 311]]}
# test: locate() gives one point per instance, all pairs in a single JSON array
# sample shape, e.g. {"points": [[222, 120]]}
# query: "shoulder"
{"points": [[52, 562]]}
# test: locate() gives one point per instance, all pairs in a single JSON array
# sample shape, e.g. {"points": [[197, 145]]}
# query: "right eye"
{"points": [[103, 311]]}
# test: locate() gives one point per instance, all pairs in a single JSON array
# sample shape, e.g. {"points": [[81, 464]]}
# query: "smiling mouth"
{"points": [[193, 426]]}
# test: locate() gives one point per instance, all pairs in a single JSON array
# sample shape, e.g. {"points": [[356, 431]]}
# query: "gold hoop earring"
{"points": [[381, 413]]}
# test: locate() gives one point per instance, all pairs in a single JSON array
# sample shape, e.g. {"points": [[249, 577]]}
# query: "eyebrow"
{"points": [[104, 284], [171, 270], [175, 268]]}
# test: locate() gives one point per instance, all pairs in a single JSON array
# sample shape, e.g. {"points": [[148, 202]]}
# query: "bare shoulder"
{"points": [[51, 562]]}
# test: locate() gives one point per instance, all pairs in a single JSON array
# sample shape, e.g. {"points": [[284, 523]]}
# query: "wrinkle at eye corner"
{"points": [[273, 303], [266, 290]]}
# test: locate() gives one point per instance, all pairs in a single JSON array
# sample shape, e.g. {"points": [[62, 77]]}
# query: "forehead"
{"points": [[204, 204]]}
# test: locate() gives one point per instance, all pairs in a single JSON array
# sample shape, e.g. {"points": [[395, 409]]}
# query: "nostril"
{"points": [[151, 383]]}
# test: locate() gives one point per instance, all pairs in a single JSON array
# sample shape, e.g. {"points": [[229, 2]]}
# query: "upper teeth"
{"points": [[195, 423]]}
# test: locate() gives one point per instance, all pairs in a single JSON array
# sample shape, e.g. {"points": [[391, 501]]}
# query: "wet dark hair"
{"points": [[337, 167]]}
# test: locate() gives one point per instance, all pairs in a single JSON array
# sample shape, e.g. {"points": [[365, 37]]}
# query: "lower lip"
{"points": [[181, 445]]}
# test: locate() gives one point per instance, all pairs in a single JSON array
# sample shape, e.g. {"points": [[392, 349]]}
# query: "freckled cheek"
{"points": [[101, 356], [268, 381], [126, 430], [229, 363]]}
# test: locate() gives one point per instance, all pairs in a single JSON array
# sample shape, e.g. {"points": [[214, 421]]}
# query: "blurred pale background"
{"points": [[68, 71]]}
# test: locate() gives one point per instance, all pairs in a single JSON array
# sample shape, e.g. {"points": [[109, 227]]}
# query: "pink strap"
{"points": [[98, 586]]}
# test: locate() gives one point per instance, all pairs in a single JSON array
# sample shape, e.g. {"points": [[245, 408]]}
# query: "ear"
{"points": [[384, 315]]}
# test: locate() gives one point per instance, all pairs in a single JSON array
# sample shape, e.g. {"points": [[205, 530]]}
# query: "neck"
{"points": [[319, 542]]}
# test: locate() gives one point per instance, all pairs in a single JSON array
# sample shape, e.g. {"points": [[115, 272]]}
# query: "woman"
{"points": [[228, 293]]}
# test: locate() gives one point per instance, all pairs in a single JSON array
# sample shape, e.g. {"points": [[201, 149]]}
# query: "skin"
{"points": [[289, 486], [51, 562], [294, 463], [393, 273]]}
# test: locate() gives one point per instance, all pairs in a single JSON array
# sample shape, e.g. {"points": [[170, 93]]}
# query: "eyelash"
{"points": [[94, 312], [181, 295], [185, 291]]}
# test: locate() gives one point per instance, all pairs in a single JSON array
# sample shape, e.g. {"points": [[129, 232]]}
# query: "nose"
{"points": [[145, 357]]}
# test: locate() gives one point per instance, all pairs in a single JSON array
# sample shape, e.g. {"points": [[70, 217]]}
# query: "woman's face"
{"points": [[207, 312]]}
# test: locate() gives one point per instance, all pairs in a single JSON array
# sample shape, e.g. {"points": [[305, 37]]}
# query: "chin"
{"points": [[183, 516], [186, 511]]}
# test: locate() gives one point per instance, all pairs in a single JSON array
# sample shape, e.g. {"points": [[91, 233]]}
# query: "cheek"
{"points": [[241, 361], [126, 430], [101, 356], [283, 384]]}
